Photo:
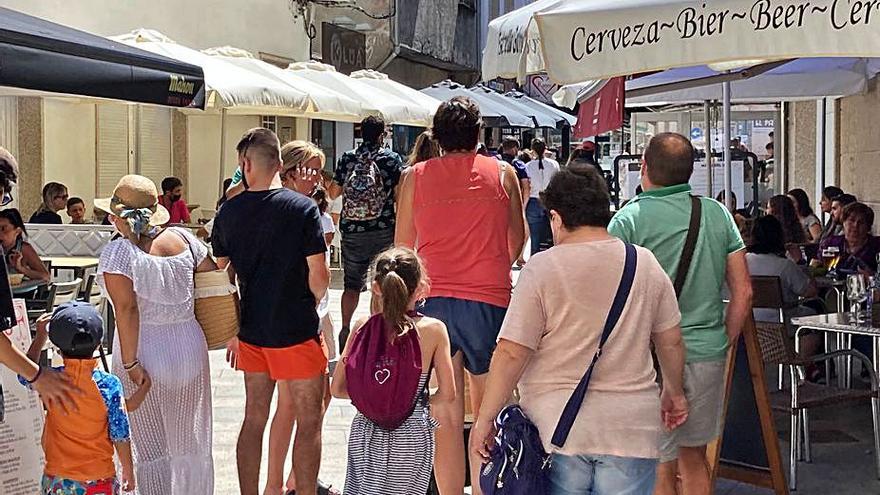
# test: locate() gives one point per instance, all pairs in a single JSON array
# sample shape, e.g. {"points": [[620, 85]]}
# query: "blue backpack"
{"points": [[518, 465]]}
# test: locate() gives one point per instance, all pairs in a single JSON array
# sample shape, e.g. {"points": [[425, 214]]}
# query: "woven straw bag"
{"points": [[216, 307]]}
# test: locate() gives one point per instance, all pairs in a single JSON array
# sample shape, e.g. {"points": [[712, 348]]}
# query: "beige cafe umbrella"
{"points": [[392, 108], [323, 102], [384, 83]]}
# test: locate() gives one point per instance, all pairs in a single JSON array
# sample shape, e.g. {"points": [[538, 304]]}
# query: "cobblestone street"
{"points": [[228, 397]]}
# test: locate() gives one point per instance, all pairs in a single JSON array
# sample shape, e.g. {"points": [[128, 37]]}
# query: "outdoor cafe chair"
{"points": [[85, 295], [777, 348], [66, 291]]}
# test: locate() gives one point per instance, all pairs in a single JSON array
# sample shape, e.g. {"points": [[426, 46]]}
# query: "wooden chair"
{"points": [[777, 348]]}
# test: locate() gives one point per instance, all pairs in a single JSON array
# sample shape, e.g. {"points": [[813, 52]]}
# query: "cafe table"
{"points": [[843, 325], [79, 264], [27, 286]]}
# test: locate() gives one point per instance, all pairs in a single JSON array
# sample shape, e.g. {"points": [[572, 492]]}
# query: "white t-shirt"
{"points": [[336, 205], [540, 177], [328, 228], [327, 225]]}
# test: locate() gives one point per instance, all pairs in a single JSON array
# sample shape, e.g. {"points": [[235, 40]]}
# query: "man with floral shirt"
{"points": [[367, 178]]}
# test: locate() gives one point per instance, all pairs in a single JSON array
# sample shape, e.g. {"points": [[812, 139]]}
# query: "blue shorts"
{"points": [[473, 328]]}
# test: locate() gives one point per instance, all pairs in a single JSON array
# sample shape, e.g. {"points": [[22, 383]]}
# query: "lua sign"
{"points": [[343, 48]]}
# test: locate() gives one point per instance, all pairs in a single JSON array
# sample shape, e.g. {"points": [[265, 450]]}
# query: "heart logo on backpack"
{"points": [[382, 376]]}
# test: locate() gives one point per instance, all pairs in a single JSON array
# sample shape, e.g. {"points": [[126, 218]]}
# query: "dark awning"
{"points": [[39, 55]]}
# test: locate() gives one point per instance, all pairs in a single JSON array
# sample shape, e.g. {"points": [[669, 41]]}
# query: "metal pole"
{"points": [[223, 149], [707, 135], [725, 142]]}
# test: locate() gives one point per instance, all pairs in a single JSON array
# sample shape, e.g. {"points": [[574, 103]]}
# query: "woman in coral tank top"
{"points": [[462, 212]]}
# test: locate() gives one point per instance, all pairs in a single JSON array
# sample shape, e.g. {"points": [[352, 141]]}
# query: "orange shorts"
{"points": [[298, 362]]}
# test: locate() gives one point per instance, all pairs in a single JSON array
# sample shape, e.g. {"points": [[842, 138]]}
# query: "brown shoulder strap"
{"points": [[690, 244]]}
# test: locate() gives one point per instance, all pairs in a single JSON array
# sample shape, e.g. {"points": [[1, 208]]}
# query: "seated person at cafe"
{"points": [[783, 208], [837, 205], [831, 227], [54, 200], [76, 210], [857, 247], [766, 257], [172, 200], [21, 257]]}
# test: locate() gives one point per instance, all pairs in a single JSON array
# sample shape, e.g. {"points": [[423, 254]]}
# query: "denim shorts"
{"points": [[473, 328], [601, 475], [704, 389], [359, 249]]}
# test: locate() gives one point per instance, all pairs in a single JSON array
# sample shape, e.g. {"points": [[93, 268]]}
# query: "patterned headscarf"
{"points": [[138, 219]]}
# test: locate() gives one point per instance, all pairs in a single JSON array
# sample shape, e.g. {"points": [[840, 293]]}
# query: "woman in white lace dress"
{"points": [[148, 276]]}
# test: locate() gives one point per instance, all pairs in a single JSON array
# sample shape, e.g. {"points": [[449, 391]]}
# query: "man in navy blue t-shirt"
{"points": [[271, 239]]}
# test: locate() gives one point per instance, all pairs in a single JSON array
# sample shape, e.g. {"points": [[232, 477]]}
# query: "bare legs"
{"points": [[301, 400], [692, 467], [350, 300], [308, 410], [449, 459], [258, 391]]}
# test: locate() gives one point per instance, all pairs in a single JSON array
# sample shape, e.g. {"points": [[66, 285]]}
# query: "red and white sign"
{"points": [[603, 111], [541, 88]]}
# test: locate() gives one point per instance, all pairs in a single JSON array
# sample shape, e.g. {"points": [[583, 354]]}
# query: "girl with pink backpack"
{"points": [[385, 369]]}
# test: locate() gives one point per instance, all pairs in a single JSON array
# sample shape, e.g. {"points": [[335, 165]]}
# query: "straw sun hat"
{"points": [[135, 196]]}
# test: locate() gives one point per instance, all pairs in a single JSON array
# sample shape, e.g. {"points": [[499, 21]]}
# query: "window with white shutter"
{"points": [[9, 123], [154, 143], [113, 150]]}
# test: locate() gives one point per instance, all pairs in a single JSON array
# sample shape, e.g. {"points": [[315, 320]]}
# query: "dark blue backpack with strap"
{"points": [[518, 465]]}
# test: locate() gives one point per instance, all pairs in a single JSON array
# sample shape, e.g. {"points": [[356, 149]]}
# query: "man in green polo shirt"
{"points": [[658, 220]]}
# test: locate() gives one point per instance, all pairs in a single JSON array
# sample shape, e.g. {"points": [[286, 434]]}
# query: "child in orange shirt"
{"points": [[79, 446]]}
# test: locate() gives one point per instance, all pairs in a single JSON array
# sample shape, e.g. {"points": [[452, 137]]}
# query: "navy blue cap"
{"points": [[76, 328]]}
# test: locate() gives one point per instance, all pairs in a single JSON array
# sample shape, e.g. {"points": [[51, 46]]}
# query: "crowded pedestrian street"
{"points": [[439, 247]]}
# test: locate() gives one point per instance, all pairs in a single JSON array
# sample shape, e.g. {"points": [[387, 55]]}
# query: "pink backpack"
{"points": [[383, 377]]}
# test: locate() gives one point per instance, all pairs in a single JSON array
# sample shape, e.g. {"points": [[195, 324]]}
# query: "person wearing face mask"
{"points": [[172, 200]]}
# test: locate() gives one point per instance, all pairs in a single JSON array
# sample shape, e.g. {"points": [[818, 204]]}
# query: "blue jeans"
{"points": [[540, 234], [601, 475]]}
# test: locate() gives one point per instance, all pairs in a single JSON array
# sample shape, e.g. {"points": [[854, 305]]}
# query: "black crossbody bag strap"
{"points": [[690, 244], [569, 414]]}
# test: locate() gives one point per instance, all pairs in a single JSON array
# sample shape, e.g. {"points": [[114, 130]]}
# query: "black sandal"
{"points": [[326, 489], [323, 489]]}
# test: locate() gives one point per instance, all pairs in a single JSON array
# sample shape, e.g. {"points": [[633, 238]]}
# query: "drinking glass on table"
{"points": [[857, 293], [831, 256]]}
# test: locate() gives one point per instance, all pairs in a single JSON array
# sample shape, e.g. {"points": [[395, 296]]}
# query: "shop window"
{"points": [[270, 122], [324, 136]]}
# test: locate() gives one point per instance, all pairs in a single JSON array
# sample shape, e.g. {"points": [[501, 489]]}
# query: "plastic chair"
{"points": [[66, 291], [85, 294], [777, 349]]}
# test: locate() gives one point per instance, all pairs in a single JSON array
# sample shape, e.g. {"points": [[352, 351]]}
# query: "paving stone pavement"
{"points": [[841, 465], [228, 397]]}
